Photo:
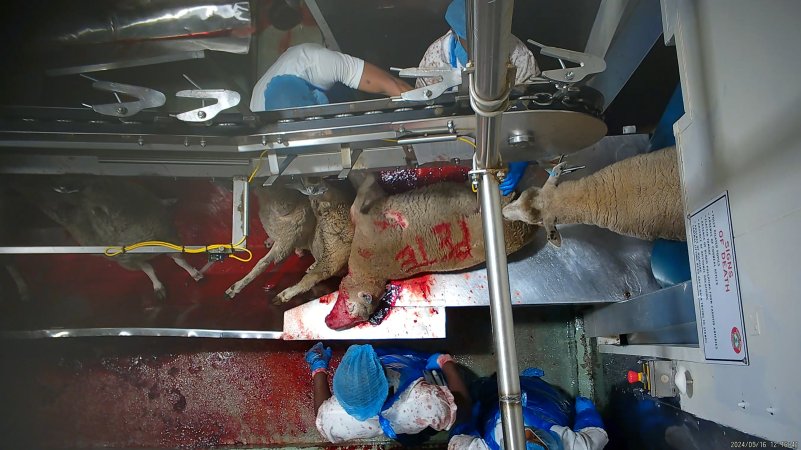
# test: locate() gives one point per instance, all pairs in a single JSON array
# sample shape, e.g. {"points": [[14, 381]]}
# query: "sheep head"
{"points": [[356, 301], [530, 208]]}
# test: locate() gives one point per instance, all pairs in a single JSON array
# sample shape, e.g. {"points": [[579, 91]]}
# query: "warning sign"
{"points": [[715, 282]]}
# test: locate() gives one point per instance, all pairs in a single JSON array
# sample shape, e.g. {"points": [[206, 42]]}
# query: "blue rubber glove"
{"points": [[318, 357], [436, 360], [516, 171], [586, 415]]}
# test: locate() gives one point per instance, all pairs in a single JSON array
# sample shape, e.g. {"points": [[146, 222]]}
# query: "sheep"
{"points": [[435, 228], [333, 235], [104, 211], [288, 219], [639, 197]]}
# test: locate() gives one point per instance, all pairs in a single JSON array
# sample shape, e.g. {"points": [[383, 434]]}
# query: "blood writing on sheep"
{"points": [[441, 231]]}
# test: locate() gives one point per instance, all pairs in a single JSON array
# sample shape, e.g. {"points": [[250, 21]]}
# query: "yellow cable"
{"points": [[116, 251], [464, 139], [258, 166]]}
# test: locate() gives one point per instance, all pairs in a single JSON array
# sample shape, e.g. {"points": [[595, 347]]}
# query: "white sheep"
{"points": [[435, 228], [639, 196], [107, 211]]}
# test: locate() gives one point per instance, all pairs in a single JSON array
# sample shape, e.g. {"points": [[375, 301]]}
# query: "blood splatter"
{"points": [[419, 287]]}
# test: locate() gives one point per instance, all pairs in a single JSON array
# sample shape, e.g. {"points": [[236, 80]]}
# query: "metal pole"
{"points": [[490, 39]]}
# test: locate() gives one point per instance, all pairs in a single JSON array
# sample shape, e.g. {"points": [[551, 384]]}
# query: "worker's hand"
{"points": [[586, 415], [512, 178], [318, 358], [437, 360]]}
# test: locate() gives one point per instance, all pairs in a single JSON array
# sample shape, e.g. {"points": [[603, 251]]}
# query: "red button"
{"points": [[634, 377]]}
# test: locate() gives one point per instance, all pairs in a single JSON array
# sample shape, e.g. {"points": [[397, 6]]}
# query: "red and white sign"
{"points": [[715, 283]]}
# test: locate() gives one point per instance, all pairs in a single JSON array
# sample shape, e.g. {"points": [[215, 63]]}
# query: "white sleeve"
{"points": [[524, 61], [330, 67], [420, 406], [337, 426], [591, 438], [466, 442]]}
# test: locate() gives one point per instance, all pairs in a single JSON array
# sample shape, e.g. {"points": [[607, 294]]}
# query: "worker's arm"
{"points": [[456, 384], [377, 81], [318, 358], [322, 391]]}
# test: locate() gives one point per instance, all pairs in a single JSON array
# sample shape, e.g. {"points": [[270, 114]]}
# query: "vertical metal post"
{"points": [[490, 40]]}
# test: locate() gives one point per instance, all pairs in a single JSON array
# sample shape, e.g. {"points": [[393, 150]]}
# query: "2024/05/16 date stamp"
{"points": [[764, 444]]}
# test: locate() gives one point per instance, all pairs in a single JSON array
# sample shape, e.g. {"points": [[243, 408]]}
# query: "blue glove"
{"points": [[318, 357], [434, 361], [516, 171], [586, 415]]}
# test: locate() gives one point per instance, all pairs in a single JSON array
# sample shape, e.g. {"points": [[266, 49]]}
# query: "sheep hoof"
{"points": [[197, 276], [161, 293], [280, 299], [230, 293]]}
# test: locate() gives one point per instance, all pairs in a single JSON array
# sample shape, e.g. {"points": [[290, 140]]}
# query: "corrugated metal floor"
{"points": [[137, 392]]}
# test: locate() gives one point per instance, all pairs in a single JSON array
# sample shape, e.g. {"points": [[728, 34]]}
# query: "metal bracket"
{"points": [[225, 99], [239, 225], [450, 78], [349, 157], [147, 98], [277, 169], [588, 64]]}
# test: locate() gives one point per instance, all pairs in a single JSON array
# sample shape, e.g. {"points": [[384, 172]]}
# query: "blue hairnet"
{"points": [[456, 16], [360, 384], [290, 91]]}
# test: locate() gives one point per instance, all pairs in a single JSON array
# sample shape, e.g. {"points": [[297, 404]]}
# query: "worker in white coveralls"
{"points": [[397, 393], [305, 74], [547, 416], [450, 50]]}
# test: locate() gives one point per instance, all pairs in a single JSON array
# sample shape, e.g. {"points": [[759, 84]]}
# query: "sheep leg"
{"points": [[22, 286], [194, 273], [158, 288], [278, 253], [312, 267], [551, 232], [206, 267], [304, 285]]}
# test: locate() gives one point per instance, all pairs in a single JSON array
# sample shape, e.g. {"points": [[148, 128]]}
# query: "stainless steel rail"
{"points": [[489, 91]]}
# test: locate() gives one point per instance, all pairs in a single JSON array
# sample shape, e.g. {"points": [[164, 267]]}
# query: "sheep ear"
{"points": [[552, 233], [368, 195]]}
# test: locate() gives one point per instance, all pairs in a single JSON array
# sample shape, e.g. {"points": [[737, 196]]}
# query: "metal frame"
{"points": [[160, 332], [637, 28], [317, 14], [489, 93], [127, 63], [656, 314]]}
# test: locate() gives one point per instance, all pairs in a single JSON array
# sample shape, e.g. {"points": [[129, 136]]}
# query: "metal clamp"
{"points": [[225, 99], [475, 175], [147, 98], [277, 169], [588, 64], [348, 158], [450, 78]]}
